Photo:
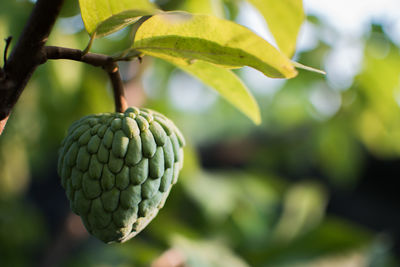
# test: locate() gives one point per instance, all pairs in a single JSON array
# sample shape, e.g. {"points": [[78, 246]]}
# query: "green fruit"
{"points": [[118, 169]]}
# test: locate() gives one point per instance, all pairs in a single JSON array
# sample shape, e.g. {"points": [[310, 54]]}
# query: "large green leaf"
{"points": [[284, 18], [227, 84], [102, 17], [186, 37]]}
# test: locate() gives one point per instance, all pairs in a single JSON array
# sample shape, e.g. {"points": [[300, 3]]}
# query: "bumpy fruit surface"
{"points": [[118, 168]]}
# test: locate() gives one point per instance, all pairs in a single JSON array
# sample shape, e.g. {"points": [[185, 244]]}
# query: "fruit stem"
{"points": [[118, 87], [108, 63]]}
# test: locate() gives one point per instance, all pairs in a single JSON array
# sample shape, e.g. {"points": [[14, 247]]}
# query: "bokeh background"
{"points": [[314, 185]]}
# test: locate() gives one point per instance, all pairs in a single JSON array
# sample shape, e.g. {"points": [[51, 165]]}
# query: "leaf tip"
{"points": [[257, 121], [255, 116], [304, 67]]}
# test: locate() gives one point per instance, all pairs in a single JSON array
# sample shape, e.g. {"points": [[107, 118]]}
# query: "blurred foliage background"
{"points": [[314, 185]]}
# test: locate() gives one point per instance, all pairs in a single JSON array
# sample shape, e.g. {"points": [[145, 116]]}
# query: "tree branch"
{"points": [[108, 63], [97, 60], [30, 51], [27, 54]]}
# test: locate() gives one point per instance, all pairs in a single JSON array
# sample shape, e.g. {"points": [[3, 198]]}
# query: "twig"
{"points": [[108, 63], [97, 60], [2, 72], [86, 50], [8, 42]]}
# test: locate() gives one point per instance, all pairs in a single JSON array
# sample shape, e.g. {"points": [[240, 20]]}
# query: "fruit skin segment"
{"points": [[118, 169]]}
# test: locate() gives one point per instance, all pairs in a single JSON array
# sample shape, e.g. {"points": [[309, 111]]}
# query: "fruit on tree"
{"points": [[118, 169]]}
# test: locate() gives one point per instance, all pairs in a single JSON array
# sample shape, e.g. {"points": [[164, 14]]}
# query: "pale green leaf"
{"points": [[186, 37], [103, 17], [284, 18], [211, 7], [227, 84]]}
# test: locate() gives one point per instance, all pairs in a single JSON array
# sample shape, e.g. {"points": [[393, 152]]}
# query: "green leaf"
{"points": [[184, 37], [284, 18], [211, 7], [227, 84], [103, 17]]}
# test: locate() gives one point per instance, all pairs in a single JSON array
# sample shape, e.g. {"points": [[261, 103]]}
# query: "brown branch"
{"points": [[98, 60], [30, 51], [27, 54]]}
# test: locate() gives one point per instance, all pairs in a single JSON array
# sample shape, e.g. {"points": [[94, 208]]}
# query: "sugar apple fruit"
{"points": [[118, 169]]}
